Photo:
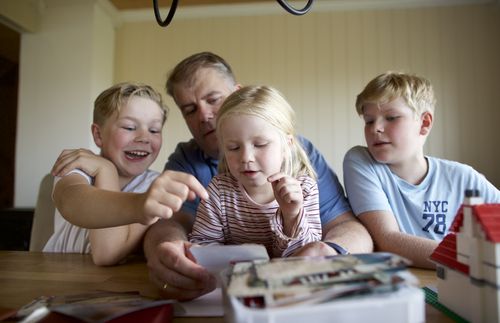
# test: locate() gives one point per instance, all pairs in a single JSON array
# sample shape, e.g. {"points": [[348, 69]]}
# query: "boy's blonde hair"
{"points": [[268, 104], [415, 90], [114, 98]]}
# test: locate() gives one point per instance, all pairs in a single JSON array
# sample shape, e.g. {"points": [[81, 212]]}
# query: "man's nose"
{"points": [[207, 112]]}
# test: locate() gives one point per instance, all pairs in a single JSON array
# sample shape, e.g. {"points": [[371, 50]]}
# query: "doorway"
{"points": [[9, 80]]}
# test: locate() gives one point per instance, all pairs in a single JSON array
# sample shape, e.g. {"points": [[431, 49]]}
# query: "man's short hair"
{"points": [[185, 71]]}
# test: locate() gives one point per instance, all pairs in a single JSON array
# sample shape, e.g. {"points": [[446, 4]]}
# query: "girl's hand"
{"points": [[288, 194]]}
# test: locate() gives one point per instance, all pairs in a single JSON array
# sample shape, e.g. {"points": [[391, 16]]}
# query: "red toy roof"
{"points": [[488, 216], [446, 254]]}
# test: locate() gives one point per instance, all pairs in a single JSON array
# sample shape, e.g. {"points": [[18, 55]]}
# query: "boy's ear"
{"points": [[96, 133], [426, 125]]}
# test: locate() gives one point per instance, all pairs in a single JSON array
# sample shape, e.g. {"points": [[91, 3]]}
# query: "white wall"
{"points": [[63, 66], [320, 61]]}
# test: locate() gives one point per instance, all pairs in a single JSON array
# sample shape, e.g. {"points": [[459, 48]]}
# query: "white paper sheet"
{"points": [[215, 258]]}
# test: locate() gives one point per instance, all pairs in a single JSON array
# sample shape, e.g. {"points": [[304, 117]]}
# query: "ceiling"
{"points": [[148, 4]]}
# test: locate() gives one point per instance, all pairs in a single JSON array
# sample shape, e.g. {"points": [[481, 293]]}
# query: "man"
{"points": [[199, 84]]}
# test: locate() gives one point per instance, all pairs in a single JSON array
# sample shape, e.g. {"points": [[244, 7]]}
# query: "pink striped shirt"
{"points": [[230, 216]]}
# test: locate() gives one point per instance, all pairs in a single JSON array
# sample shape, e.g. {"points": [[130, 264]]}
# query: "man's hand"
{"points": [[83, 159], [173, 269]]}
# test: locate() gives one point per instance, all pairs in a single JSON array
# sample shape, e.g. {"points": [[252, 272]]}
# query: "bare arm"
{"points": [[171, 265], [165, 196], [115, 217], [91, 207], [345, 231], [385, 232], [97, 206], [349, 233]]}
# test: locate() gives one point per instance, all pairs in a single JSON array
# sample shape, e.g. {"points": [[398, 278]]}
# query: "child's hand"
{"points": [[168, 192], [288, 194], [83, 159]]}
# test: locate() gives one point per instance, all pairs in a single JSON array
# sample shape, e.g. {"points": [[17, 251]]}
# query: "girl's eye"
{"points": [[391, 118], [368, 122], [260, 145], [232, 148], [154, 131], [129, 128]]}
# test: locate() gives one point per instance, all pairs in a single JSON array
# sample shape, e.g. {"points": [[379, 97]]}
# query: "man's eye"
{"points": [[368, 122], [213, 100], [188, 110]]}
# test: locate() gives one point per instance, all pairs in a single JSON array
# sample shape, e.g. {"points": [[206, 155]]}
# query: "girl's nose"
{"points": [[246, 155]]}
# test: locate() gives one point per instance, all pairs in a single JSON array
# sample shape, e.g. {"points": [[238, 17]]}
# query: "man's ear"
{"points": [[426, 126], [96, 133]]}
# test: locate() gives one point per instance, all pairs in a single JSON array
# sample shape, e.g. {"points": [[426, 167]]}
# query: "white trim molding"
{"points": [[273, 8]]}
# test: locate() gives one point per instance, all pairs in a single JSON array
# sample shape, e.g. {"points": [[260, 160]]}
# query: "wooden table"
{"points": [[25, 276]]}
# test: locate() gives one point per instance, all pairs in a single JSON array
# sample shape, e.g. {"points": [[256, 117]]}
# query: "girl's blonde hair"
{"points": [[415, 90], [114, 98], [268, 104]]}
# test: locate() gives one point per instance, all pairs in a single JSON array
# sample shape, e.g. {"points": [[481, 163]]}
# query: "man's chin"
{"points": [[210, 147]]}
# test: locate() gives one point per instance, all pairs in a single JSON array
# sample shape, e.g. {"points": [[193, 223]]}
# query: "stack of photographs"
{"points": [[283, 282]]}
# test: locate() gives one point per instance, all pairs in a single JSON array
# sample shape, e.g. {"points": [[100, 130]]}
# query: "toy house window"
{"points": [[441, 273]]}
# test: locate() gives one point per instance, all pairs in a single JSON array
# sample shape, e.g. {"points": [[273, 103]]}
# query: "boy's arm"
{"points": [[94, 208], [90, 207], [385, 232], [111, 245], [77, 200], [169, 190]]}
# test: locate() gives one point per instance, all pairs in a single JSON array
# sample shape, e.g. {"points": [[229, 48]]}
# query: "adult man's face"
{"points": [[199, 103]]}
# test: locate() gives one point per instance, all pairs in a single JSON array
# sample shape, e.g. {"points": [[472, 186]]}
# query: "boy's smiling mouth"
{"points": [[137, 154]]}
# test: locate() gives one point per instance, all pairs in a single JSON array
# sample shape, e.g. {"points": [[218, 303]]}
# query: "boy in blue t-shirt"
{"points": [[406, 200]]}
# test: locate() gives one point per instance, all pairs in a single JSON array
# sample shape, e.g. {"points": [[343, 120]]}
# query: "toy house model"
{"points": [[468, 261]]}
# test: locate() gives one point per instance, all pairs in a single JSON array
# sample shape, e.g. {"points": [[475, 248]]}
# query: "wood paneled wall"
{"points": [[322, 60]]}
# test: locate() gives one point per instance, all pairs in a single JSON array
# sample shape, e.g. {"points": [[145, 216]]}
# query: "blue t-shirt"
{"points": [[426, 209], [189, 158]]}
